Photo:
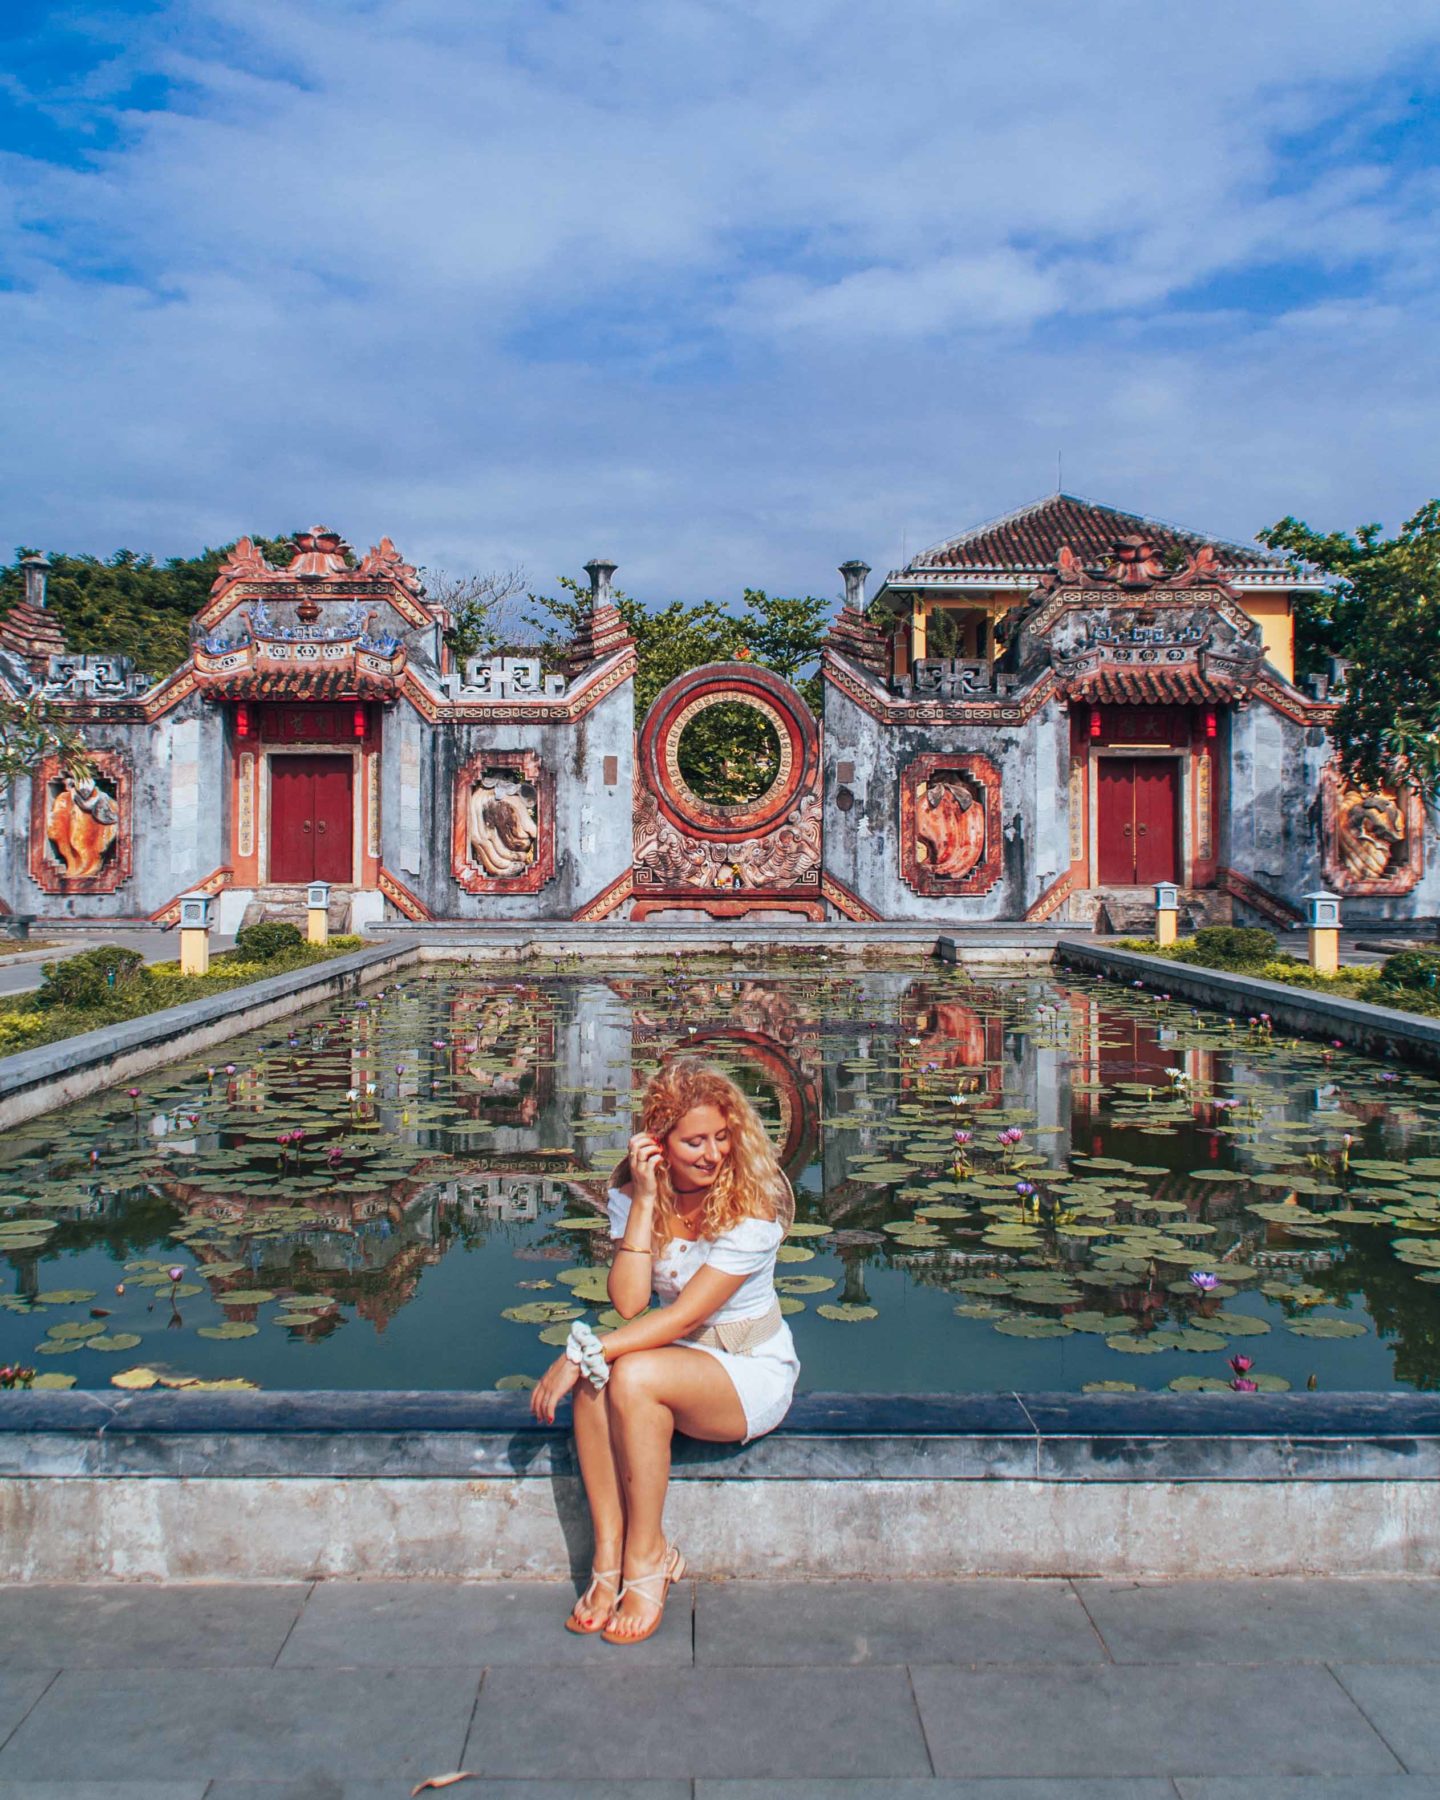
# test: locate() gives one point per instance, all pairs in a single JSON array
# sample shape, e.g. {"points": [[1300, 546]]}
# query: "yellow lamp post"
{"points": [[1322, 915], [194, 934], [1167, 908], [317, 916]]}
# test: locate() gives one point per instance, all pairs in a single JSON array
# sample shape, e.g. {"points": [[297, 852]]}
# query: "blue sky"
{"points": [[729, 292]]}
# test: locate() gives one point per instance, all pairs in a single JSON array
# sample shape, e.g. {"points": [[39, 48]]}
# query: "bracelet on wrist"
{"points": [[634, 1249]]}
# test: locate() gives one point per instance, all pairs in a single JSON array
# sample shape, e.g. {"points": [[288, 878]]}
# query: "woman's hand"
{"points": [[646, 1156], [554, 1385]]}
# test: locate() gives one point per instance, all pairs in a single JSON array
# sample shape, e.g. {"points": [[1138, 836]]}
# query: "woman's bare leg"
{"points": [[602, 1495], [651, 1393]]}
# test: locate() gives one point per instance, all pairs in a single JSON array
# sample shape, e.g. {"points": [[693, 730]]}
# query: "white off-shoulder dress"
{"points": [[765, 1377]]}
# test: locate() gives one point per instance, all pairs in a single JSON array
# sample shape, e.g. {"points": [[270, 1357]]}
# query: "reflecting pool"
{"points": [[1030, 1184]]}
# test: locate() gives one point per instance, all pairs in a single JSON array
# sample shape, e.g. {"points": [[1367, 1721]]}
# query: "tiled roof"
{"points": [[1032, 537]]}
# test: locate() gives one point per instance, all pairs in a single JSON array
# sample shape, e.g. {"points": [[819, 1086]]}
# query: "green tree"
{"points": [[728, 754], [32, 729], [1380, 610], [128, 604], [786, 634]]}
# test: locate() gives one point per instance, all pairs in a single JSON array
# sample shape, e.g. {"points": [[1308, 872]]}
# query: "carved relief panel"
{"points": [[80, 831], [1372, 839], [503, 838], [950, 842]]}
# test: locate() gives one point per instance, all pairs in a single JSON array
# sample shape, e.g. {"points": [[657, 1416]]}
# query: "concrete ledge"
{"points": [[172, 1529], [829, 1437], [34, 1081], [264, 1487], [1378, 1030]]}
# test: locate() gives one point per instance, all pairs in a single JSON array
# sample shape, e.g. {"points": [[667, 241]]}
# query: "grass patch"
{"points": [[107, 985], [1409, 981]]}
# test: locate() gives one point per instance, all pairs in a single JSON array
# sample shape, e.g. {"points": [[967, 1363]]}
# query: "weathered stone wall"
{"points": [[862, 846], [1271, 826], [179, 818], [592, 819]]}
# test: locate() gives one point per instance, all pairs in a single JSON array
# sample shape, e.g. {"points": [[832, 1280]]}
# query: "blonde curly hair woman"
{"points": [[697, 1215]]}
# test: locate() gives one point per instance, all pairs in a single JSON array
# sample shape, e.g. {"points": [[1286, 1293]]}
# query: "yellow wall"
{"points": [[1271, 612]]}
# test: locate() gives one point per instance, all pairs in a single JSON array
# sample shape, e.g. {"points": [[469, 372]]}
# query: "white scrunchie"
{"points": [[584, 1350]]}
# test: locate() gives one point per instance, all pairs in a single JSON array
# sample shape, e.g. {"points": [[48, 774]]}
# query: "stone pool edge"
{"points": [[269, 1486], [1358, 1024], [53, 1075]]}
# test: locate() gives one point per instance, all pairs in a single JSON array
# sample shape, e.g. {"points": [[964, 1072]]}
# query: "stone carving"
{"points": [[83, 823], [504, 827], [1369, 832], [949, 678], [244, 563], [510, 678], [80, 826], [950, 839], [950, 828], [384, 560], [786, 857], [1373, 838]]}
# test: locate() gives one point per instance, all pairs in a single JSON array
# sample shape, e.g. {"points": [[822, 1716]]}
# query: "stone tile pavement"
{"points": [[967, 1690]]}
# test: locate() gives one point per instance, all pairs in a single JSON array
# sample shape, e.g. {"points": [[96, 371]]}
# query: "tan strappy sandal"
{"points": [[612, 1576], [670, 1570]]}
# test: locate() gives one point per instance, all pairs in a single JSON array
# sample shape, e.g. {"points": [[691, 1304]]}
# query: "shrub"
{"points": [[1418, 969], [258, 943], [1243, 947], [104, 977]]}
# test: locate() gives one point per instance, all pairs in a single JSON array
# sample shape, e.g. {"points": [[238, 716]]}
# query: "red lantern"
{"points": [[359, 726], [1094, 721], [242, 720], [1212, 724]]}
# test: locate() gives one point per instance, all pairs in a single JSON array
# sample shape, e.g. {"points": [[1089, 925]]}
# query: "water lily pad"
{"points": [[804, 1284], [516, 1383], [542, 1312], [1199, 1384], [789, 1304], [848, 1314], [119, 1340], [806, 1230], [1135, 1346], [64, 1296], [246, 1297], [135, 1380], [234, 1328], [581, 1224], [1109, 1387], [555, 1334], [54, 1382], [794, 1253], [1326, 1328], [1023, 1327]]}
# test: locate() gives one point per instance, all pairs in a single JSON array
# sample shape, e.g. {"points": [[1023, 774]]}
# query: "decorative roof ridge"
{"points": [[1255, 553]]}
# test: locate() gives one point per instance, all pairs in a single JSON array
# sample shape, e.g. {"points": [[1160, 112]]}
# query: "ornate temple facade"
{"points": [[1035, 720]]}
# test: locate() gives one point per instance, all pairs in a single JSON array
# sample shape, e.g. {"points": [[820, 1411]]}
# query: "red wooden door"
{"points": [[1157, 795], [311, 819], [1137, 813]]}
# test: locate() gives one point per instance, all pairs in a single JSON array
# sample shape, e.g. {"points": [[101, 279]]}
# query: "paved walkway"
{"points": [[986, 1690]]}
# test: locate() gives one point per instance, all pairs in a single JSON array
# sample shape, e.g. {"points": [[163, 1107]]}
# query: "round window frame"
{"points": [[692, 693]]}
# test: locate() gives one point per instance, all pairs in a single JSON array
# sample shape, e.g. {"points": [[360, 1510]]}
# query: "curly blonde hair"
{"points": [[750, 1183]]}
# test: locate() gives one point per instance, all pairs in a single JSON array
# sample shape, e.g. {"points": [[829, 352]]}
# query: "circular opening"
{"points": [[729, 754]]}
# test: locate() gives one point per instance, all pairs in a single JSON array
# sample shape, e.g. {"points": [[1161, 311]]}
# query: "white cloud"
{"points": [[728, 290]]}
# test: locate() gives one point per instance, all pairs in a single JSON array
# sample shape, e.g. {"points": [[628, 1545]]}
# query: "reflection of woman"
{"points": [[698, 1222]]}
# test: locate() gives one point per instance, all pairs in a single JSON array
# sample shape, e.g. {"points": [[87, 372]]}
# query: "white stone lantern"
{"points": [[1322, 915], [1167, 908]]}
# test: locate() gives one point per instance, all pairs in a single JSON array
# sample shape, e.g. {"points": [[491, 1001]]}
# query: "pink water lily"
{"points": [[1204, 1280]]}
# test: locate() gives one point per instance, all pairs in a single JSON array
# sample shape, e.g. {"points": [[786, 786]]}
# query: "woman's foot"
{"points": [[641, 1605], [594, 1607]]}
